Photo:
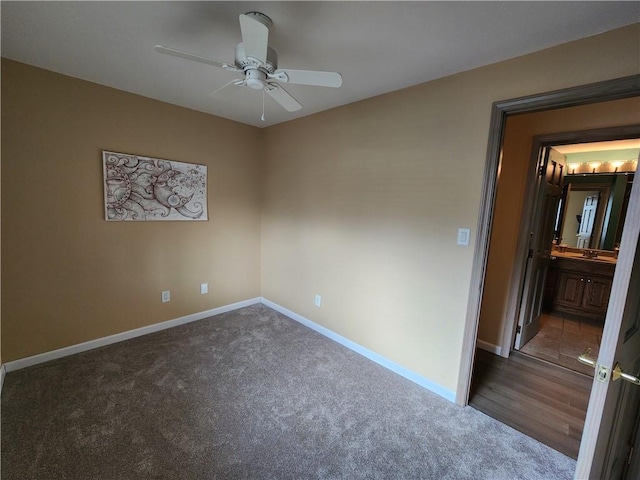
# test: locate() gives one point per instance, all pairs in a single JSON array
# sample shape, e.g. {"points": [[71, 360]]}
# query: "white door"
{"points": [[588, 218], [551, 171], [611, 423]]}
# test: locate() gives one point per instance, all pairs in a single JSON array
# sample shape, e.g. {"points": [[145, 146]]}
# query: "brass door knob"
{"points": [[618, 373], [586, 359]]}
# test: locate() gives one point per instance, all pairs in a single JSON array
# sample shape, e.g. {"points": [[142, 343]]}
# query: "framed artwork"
{"points": [[140, 188]]}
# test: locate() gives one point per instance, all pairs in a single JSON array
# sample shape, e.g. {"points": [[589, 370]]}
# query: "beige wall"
{"points": [[68, 275], [518, 142], [359, 204], [362, 203]]}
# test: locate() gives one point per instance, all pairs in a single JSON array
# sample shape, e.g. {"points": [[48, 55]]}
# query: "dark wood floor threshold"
{"points": [[545, 401]]}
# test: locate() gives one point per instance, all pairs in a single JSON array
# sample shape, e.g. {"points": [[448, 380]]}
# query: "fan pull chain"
{"points": [[262, 117]]}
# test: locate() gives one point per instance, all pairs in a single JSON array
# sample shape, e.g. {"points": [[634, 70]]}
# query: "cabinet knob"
{"points": [[589, 281], [582, 279]]}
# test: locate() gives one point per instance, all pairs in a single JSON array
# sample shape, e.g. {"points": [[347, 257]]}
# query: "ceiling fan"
{"points": [[259, 64]]}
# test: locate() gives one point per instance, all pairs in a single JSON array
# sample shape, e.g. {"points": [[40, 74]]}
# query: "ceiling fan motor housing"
{"points": [[260, 17], [243, 62]]}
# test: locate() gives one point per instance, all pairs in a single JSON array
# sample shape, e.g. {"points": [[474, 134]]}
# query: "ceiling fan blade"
{"points": [[196, 58], [281, 96], [255, 35], [308, 77]]}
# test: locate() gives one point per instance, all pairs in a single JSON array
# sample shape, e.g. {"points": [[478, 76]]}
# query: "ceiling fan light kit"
{"points": [[255, 79], [259, 64]]}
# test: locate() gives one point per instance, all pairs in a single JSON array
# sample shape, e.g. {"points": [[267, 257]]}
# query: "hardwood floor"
{"points": [[542, 400]]}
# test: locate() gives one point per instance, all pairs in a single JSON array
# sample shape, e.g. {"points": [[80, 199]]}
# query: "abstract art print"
{"points": [[140, 188]]}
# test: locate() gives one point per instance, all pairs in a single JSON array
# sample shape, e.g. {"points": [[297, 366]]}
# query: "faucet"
{"points": [[590, 254]]}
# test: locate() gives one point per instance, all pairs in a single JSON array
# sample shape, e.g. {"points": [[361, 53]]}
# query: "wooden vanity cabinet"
{"points": [[582, 287]]}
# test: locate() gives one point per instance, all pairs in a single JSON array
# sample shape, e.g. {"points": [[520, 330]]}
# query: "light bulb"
{"points": [[617, 164]]}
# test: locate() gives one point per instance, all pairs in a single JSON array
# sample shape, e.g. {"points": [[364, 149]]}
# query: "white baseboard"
{"points": [[119, 337], [2, 374], [489, 347], [371, 355]]}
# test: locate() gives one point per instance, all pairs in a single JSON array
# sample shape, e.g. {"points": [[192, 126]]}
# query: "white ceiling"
{"points": [[378, 47]]}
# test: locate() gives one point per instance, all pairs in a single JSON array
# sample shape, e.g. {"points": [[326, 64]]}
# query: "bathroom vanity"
{"points": [[579, 285]]}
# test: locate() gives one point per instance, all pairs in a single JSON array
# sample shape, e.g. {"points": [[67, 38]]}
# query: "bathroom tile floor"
{"points": [[561, 339]]}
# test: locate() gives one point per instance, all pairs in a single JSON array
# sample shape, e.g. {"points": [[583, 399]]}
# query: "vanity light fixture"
{"points": [[615, 166]]}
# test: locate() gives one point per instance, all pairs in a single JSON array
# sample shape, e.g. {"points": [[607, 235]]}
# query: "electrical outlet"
{"points": [[166, 296], [318, 300], [204, 288]]}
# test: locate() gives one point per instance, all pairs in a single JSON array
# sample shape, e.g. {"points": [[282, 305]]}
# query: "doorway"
{"points": [[544, 399], [585, 225]]}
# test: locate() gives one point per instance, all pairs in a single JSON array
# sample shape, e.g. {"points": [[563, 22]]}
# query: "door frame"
{"points": [[607, 90], [528, 214]]}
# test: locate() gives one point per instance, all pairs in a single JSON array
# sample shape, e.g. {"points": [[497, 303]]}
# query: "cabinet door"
{"points": [[570, 289], [550, 287], [596, 294]]}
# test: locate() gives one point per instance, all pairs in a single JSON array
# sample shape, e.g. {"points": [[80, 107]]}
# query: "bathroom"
{"points": [[587, 230]]}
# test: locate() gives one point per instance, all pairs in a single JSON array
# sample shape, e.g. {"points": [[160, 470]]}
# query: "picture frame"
{"points": [[139, 188]]}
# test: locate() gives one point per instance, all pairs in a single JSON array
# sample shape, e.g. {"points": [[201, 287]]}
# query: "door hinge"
{"points": [[630, 456], [519, 329], [541, 170], [530, 254]]}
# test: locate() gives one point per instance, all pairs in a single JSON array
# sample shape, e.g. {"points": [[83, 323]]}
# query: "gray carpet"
{"points": [[249, 394]]}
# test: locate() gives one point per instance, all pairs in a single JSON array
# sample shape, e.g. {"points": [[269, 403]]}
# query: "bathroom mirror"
{"points": [[592, 210]]}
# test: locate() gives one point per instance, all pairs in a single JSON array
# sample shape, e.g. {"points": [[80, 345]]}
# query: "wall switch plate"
{"points": [[204, 288], [318, 300], [463, 236], [166, 296]]}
